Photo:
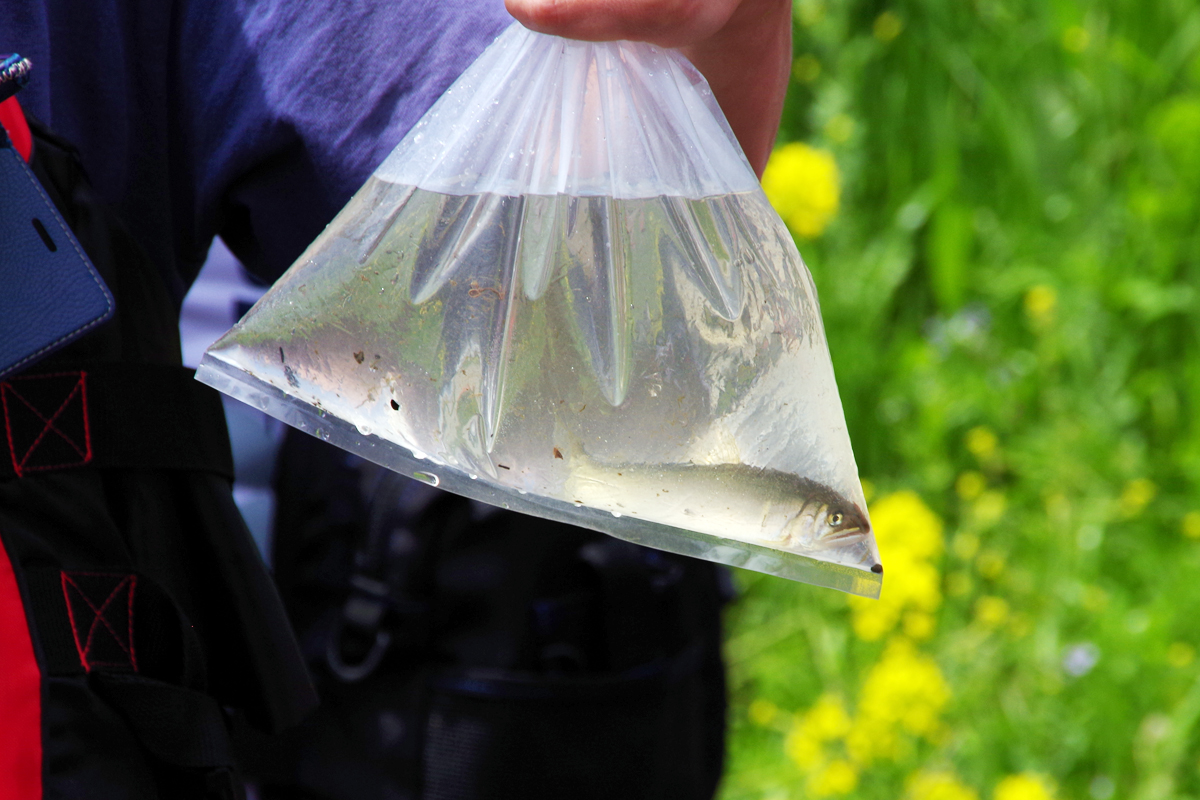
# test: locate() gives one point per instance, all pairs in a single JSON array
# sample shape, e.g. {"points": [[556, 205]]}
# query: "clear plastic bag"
{"points": [[565, 293]]}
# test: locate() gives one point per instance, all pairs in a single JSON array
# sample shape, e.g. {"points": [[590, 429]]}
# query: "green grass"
{"points": [[1017, 252]]}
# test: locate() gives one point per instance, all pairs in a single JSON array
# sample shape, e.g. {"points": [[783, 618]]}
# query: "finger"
{"points": [[668, 23]]}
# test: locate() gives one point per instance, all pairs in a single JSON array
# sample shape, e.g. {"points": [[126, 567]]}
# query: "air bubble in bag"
{"points": [[565, 293]]}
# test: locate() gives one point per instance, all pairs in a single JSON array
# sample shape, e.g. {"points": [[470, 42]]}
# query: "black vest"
{"points": [[151, 613]]}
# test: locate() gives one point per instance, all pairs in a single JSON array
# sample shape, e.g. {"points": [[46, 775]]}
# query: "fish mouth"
{"points": [[847, 536]]}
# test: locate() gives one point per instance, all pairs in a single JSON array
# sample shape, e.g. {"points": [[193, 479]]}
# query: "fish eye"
{"points": [[836, 518]]}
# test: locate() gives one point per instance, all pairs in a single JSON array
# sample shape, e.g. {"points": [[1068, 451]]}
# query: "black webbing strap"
{"points": [[154, 710], [141, 416], [123, 634]]}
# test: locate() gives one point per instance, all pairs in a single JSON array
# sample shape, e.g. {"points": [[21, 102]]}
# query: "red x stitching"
{"points": [[20, 462], [128, 582]]}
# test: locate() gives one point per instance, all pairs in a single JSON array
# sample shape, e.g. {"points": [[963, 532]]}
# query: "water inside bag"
{"points": [[565, 293], [650, 367]]}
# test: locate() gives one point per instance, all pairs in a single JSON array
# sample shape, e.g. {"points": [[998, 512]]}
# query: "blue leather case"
{"points": [[50, 293]]}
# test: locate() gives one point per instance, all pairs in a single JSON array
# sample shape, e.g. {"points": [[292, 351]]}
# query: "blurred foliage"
{"points": [[1009, 287]]}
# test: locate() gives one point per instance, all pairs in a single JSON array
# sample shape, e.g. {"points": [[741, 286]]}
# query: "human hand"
{"points": [[742, 47]]}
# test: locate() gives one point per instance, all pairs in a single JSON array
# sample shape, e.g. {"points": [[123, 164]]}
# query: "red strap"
{"points": [[13, 120], [20, 696]]}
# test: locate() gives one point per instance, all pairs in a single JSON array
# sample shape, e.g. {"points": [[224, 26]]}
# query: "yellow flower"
{"points": [[827, 719], [1040, 302], [840, 128], [919, 625], [874, 620], [887, 26], [810, 12], [938, 785], [970, 484], [991, 612], [838, 777], [1191, 525], [802, 748], [802, 183], [1180, 654], [982, 442], [909, 536], [1025, 786], [806, 68], [763, 712], [965, 545], [869, 740], [1136, 496], [902, 521], [988, 508], [904, 692], [911, 584]]}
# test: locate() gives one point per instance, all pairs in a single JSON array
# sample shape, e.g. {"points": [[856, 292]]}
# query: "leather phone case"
{"points": [[50, 293]]}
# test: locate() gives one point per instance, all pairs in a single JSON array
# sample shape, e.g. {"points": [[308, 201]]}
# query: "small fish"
{"points": [[825, 517], [734, 501]]}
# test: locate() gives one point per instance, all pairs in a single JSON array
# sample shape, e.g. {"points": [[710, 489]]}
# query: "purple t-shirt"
{"points": [[255, 120]]}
